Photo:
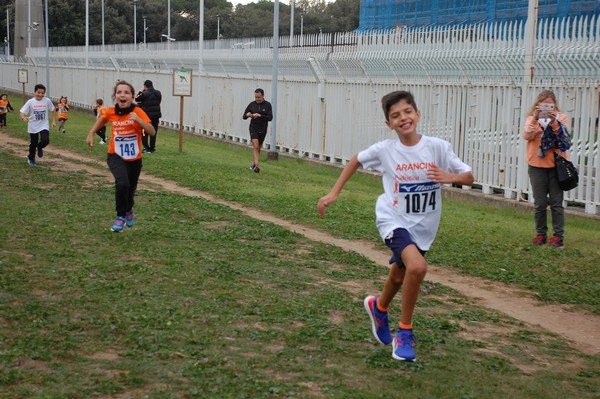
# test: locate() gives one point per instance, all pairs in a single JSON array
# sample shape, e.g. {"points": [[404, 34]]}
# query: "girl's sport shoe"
{"points": [[379, 321], [404, 345], [118, 224], [130, 218]]}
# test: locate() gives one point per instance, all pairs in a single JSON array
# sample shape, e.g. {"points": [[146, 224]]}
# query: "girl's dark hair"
{"points": [[394, 98], [99, 101]]}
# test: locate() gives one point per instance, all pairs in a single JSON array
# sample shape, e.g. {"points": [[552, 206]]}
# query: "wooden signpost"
{"points": [[182, 87], [23, 76]]}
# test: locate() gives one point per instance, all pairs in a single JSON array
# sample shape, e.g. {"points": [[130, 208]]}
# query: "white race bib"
{"points": [[127, 147], [418, 198]]}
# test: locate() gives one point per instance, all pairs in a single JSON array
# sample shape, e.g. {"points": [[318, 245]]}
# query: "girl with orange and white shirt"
{"points": [[62, 110], [124, 159], [4, 108]]}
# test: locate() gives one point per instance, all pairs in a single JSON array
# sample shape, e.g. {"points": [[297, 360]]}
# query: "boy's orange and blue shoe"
{"points": [[404, 345], [379, 321]]}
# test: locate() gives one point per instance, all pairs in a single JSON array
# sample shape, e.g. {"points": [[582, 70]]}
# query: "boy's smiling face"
{"points": [[39, 94], [403, 119]]}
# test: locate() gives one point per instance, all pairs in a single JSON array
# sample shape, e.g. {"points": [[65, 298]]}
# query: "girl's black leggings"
{"points": [[126, 176]]}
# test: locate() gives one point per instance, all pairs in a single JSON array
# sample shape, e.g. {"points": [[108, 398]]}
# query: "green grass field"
{"points": [[201, 301]]}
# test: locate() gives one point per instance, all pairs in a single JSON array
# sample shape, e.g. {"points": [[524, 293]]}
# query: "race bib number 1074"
{"points": [[419, 198]]}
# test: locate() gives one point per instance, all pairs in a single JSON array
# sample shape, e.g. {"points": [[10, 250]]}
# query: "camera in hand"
{"points": [[544, 109]]}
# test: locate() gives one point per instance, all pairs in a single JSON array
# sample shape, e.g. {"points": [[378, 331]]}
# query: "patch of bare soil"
{"points": [[582, 328]]}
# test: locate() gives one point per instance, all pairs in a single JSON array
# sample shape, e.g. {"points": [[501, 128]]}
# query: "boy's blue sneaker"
{"points": [[118, 224], [379, 321], [404, 345], [40, 152], [31, 162], [130, 218]]}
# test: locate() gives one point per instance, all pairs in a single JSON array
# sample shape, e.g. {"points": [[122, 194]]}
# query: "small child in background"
{"points": [[63, 113], [99, 112], [4, 108]]}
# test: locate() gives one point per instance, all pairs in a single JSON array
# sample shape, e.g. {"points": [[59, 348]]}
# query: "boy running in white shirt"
{"points": [[35, 112], [414, 167]]}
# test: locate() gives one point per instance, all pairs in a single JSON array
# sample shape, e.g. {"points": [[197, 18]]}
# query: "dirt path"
{"points": [[583, 329]]}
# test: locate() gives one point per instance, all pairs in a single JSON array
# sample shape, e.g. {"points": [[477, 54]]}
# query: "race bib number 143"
{"points": [[127, 147]]}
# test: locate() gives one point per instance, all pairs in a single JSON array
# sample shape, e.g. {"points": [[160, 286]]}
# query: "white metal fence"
{"points": [[471, 84]]}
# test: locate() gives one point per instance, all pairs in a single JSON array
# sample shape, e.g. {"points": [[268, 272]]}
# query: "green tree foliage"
{"points": [[67, 19]]}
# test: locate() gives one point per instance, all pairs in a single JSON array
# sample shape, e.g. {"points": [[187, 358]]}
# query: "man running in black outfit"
{"points": [[260, 113]]}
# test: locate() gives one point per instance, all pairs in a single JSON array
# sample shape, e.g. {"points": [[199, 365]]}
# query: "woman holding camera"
{"points": [[546, 132]]}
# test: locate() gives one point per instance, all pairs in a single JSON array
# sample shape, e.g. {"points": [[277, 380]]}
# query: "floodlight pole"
{"points": [[47, 52], [527, 81], [28, 24], [135, 22], [218, 26], [87, 7], [8, 31], [273, 154], [302, 27], [292, 6], [87, 32]]}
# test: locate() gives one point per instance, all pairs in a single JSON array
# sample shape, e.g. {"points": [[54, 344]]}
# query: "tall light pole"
{"points": [[292, 6], [218, 26], [302, 27], [87, 32], [7, 31], [201, 29], [145, 43], [135, 21], [528, 78], [47, 52], [28, 23], [200, 123], [273, 155], [102, 24]]}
